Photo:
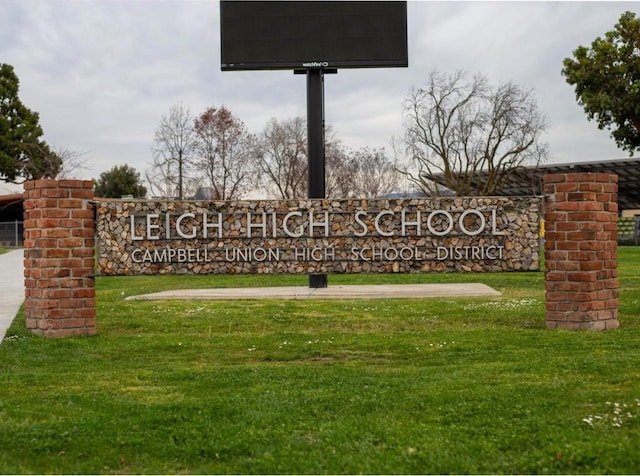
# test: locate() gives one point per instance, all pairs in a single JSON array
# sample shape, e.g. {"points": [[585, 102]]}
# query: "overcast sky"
{"points": [[101, 73]]}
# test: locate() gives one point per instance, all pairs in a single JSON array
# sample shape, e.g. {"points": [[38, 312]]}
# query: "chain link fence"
{"points": [[11, 233]]}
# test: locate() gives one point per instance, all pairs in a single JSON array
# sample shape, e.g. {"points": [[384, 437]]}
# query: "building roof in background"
{"points": [[529, 180]]}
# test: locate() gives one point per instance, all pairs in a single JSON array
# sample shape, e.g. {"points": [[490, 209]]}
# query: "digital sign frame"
{"points": [[298, 35]]}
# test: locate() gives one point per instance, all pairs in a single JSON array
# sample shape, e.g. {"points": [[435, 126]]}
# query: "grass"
{"points": [[473, 385]]}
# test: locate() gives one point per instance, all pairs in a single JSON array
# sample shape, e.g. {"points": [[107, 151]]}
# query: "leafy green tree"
{"points": [[23, 153], [120, 180], [607, 81]]}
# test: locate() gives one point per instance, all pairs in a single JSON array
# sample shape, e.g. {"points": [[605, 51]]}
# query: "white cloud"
{"points": [[101, 73]]}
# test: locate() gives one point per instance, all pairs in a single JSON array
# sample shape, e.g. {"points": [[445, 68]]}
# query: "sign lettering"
{"points": [[319, 236]]}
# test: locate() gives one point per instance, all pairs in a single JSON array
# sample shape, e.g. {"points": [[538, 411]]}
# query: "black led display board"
{"points": [[259, 35]]}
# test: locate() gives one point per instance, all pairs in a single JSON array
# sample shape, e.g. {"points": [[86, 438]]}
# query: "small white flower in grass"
{"points": [[615, 416]]}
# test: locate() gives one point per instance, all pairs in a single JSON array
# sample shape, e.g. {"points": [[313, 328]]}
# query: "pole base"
{"points": [[318, 281]]}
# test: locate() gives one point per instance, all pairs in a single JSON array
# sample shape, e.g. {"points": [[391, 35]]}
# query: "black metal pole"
{"points": [[315, 148]]}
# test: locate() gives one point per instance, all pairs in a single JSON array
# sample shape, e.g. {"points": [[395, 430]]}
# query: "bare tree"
{"points": [[173, 147], [338, 176], [223, 148], [456, 127], [375, 174], [161, 179], [72, 163], [282, 154], [365, 173]]}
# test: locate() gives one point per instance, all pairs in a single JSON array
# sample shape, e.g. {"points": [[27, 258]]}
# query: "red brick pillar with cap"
{"points": [[581, 251], [59, 257]]}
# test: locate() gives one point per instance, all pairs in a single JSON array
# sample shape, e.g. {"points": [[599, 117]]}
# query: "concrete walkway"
{"points": [[11, 287], [331, 292]]}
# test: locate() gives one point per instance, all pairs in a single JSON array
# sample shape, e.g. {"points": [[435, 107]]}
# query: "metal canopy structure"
{"points": [[529, 180], [11, 207]]}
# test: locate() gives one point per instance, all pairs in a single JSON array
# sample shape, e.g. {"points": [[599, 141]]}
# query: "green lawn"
{"points": [[474, 385]]}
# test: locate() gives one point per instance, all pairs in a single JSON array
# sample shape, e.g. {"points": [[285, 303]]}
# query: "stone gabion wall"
{"points": [[59, 257], [581, 257], [143, 236]]}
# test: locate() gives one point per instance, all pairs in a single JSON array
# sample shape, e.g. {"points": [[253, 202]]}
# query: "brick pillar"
{"points": [[59, 257], [581, 251]]}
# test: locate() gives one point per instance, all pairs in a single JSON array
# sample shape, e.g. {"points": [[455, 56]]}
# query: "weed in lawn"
{"points": [[615, 414], [507, 304]]}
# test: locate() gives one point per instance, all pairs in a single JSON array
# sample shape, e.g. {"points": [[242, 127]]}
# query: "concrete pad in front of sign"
{"points": [[332, 292]]}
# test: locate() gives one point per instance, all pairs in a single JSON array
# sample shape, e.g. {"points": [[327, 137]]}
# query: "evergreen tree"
{"points": [[120, 180], [23, 153]]}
